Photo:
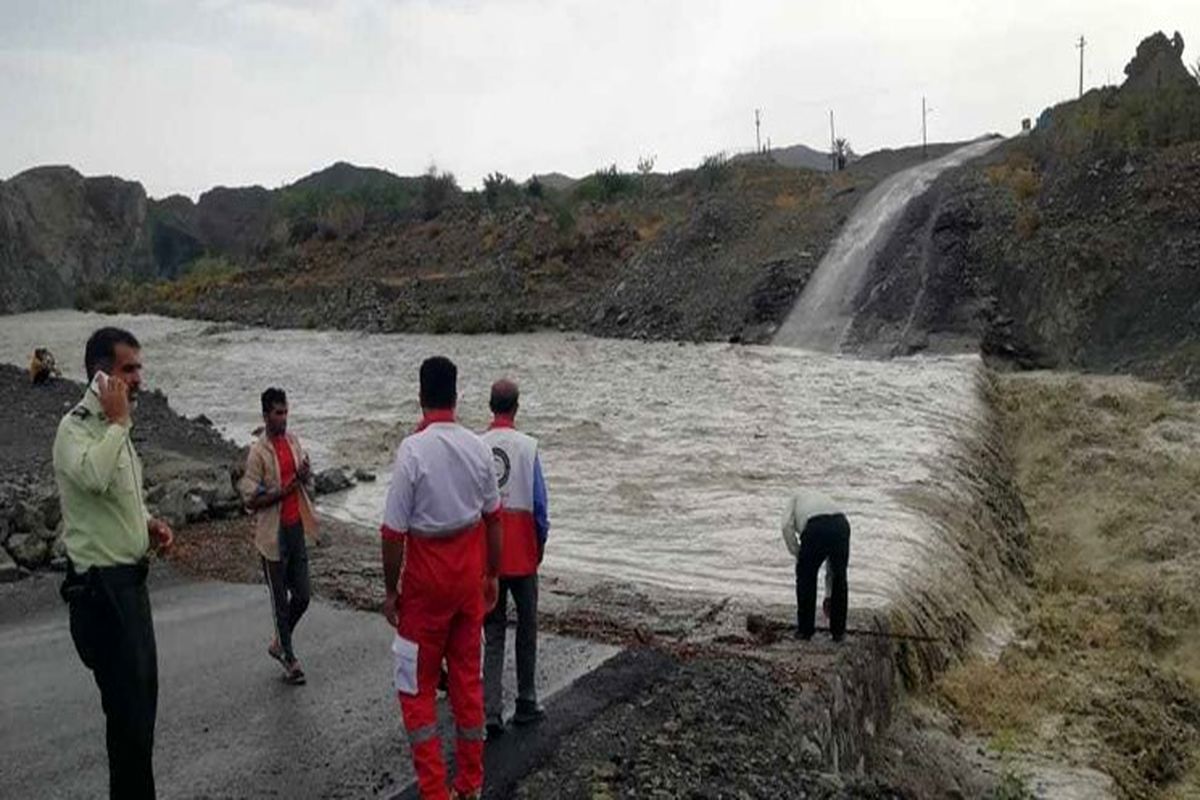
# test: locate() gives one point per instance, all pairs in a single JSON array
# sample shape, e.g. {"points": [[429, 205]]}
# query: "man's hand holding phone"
{"points": [[114, 398]]}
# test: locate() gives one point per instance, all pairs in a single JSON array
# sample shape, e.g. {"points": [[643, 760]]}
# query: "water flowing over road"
{"points": [[822, 316], [668, 464]]}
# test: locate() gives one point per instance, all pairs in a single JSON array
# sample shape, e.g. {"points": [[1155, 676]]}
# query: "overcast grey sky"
{"points": [[183, 95]]}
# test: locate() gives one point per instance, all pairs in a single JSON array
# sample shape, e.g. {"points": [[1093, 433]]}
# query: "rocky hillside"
{"points": [[1078, 245], [58, 228], [718, 252], [63, 234]]}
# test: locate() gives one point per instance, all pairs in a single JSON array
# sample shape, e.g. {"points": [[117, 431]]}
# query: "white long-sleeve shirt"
{"points": [[805, 505]]}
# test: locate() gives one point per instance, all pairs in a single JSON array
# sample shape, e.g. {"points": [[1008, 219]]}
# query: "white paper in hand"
{"points": [[404, 676]]}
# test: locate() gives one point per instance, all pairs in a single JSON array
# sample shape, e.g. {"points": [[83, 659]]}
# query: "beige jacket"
{"points": [[262, 474]]}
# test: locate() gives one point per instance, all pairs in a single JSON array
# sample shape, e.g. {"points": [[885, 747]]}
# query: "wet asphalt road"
{"points": [[228, 727]]}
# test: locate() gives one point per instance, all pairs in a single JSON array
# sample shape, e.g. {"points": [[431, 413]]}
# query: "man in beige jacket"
{"points": [[275, 487]]}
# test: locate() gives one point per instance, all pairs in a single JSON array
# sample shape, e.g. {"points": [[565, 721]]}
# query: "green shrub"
{"points": [[439, 190], [342, 218], [500, 190], [564, 220], [714, 170], [1011, 786], [400, 197], [606, 185]]}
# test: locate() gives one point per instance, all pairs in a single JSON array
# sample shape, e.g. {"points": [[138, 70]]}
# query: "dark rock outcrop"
{"points": [[1158, 63], [63, 234], [59, 230], [238, 223], [175, 235]]}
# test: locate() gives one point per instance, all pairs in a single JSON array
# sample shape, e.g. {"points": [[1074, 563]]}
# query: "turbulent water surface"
{"points": [[667, 463]]}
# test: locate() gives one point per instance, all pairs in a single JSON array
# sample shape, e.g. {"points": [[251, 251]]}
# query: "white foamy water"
{"points": [[667, 463], [825, 310]]}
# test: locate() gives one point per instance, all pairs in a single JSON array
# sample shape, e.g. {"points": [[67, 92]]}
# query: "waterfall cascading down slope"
{"points": [[973, 560], [823, 314]]}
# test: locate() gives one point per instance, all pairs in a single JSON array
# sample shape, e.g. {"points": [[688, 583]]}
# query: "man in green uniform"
{"points": [[108, 534]]}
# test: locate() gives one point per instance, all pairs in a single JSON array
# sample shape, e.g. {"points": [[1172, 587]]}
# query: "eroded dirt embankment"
{"points": [[1102, 670]]}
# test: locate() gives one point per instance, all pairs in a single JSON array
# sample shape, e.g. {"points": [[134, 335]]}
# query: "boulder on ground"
{"points": [[51, 511], [28, 549], [27, 517], [216, 490], [178, 503], [9, 571], [364, 475], [334, 479]]}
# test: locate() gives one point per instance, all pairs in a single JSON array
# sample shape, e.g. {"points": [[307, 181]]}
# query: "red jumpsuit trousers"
{"points": [[441, 609]]}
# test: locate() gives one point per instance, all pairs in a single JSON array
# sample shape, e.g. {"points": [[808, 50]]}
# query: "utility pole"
{"points": [[757, 131], [1081, 44], [924, 137], [832, 143]]}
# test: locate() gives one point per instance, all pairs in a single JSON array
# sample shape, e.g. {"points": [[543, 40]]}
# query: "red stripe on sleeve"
{"points": [[391, 534]]}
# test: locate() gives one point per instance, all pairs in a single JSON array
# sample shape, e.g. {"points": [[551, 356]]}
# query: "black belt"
{"points": [[77, 584], [122, 574]]}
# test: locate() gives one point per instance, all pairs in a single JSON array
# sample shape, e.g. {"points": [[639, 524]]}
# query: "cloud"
{"points": [[185, 94]]}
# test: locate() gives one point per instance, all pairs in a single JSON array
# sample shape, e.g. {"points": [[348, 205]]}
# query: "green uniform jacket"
{"points": [[99, 479]]}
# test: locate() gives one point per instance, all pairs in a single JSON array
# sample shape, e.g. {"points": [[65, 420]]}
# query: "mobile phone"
{"points": [[99, 382]]}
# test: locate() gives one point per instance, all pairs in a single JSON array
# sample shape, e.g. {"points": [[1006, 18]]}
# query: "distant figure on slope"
{"points": [[816, 530], [42, 367]]}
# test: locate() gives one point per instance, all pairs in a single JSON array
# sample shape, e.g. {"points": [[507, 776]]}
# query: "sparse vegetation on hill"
{"points": [[1157, 106], [718, 252]]}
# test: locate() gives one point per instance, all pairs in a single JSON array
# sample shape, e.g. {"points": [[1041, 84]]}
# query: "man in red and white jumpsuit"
{"points": [[526, 526], [441, 557]]}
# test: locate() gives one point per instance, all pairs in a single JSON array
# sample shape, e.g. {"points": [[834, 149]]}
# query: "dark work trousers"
{"points": [[287, 579], [113, 633], [826, 536], [525, 595]]}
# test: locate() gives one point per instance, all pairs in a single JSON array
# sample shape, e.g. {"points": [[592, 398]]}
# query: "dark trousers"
{"points": [[824, 537], [525, 596], [287, 579], [113, 633]]}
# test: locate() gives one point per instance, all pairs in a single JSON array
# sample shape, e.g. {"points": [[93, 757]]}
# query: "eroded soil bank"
{"points": [[1104, 669]]}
